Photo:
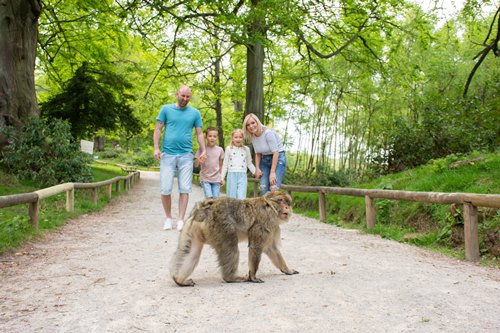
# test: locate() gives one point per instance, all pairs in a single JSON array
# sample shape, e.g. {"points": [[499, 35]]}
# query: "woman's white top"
{"points": [[267, 143]]}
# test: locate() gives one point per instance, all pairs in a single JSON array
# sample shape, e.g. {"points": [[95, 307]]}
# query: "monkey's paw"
{"points": [[255, 280], [290, 272], [186, 283]]}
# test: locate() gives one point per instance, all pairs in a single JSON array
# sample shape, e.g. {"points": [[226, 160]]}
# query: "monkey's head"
{"points": [[202, 209], [284, 201]]}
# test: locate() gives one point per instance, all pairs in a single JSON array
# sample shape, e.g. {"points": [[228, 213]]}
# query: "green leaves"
{"points": [[94, 99], [46, 153]]}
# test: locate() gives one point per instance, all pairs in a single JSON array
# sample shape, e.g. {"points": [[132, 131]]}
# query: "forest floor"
{"points": [[108, 272]]}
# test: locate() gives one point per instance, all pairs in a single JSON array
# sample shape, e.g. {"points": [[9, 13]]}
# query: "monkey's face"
{"points": [[284, 201], [285, 211]]}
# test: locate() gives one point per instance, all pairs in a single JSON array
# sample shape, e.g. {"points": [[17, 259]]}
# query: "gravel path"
{"points": [[108, 272]]}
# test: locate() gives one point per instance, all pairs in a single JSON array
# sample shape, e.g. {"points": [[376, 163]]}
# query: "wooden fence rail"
{"points": [[470, 202], [34, 198]]}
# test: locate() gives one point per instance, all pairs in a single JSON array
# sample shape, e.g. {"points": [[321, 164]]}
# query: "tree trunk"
{"points": [[255, 66], [99, 143], [18, 38], [218, 104], [255, 81]]}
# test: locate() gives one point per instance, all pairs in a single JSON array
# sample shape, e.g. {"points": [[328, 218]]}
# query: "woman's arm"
{"points": [[249, 163], [258, 173], [272, 174]]}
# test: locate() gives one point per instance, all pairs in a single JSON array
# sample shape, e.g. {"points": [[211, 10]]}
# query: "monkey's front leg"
{"points": [[277, 259]]}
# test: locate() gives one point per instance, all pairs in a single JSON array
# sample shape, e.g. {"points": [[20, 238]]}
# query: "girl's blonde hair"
{"points": [[237, 130], [261, 128]]}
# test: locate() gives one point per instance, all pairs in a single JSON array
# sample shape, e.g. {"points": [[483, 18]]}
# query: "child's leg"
{"points": [[231, 185], [215, 190], [242, 186], [207, 189]]}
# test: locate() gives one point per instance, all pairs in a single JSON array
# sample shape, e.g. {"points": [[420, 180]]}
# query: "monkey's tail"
{"points": [[181, 256]]}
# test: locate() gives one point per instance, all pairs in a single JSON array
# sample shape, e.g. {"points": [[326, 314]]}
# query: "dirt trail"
{"points": [[108, 272]]}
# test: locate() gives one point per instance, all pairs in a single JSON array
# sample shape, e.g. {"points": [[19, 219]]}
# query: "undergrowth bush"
{"points": [[46, 154], [321, 177], [145, 158]]}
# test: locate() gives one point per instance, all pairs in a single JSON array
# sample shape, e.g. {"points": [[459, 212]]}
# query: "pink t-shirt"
{"points": [[210, 171]]}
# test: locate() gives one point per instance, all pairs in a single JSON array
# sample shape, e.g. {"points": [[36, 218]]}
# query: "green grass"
{"points": [[15, 227], [432, 226]]}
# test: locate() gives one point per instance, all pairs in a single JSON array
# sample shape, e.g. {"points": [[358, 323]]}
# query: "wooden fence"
{"points": [[33, 198], [470, 202]]}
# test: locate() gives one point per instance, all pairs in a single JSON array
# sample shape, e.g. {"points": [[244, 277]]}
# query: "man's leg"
{"points": [[183, 202], [166, 201], [167, 167], [185, 182]]}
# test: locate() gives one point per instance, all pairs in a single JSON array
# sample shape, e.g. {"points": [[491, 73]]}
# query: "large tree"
{"points": [[94, 98], [319, 30], [18, 40]]}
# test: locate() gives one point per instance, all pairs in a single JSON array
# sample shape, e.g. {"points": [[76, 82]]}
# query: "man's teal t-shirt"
{"points": [[179, 124]]}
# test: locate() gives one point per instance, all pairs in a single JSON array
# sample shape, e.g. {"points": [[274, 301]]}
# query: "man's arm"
{"points": [[201, 143], [156, 139]]}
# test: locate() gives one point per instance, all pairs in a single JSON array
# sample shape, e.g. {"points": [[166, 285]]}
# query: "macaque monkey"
{"points": [[224, 222]]}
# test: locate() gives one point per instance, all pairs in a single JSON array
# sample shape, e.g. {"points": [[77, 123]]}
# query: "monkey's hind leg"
{"points": [[254, 256], [186, 257]]}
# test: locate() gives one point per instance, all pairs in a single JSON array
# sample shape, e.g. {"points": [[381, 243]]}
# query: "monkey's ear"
{"points": [[283, 197], [288, 198], [207, 203]]}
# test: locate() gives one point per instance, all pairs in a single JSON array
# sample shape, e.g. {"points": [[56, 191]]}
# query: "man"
{"points": [[176, 153]]}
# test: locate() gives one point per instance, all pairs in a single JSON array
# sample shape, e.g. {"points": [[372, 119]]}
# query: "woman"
{"points": [[270, 157]]}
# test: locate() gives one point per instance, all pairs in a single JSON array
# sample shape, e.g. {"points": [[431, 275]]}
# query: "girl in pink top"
{"points": [[210, 171]]}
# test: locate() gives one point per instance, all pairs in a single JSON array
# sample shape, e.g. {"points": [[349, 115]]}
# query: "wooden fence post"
{"points": [[322, 206], [70, 200], [470, 232], [95, 195], [33, 213], [370, 212], [108, 190], [117, 189]]}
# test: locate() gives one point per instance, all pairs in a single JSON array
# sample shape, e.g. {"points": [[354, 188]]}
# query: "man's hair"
{"points": [[184, 88]]}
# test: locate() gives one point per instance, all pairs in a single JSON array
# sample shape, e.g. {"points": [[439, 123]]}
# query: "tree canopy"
{"points": [[348, 83], [93, 99]]}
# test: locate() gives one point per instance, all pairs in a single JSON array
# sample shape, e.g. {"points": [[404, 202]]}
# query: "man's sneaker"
{"points": [[180, 224], [167, 225]]}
